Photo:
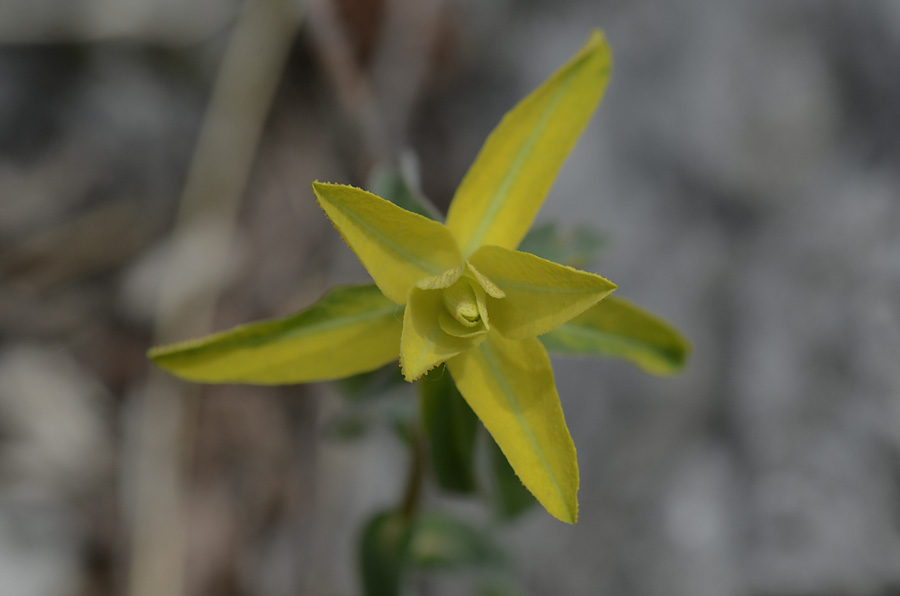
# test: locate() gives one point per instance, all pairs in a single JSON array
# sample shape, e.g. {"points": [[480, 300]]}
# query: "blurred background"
{"points": [[744, 169]]}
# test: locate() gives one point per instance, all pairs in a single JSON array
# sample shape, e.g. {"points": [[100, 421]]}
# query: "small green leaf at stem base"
{"points": [[370, 384], [511, 498], [384, 549], [450, 426], [441, 541]]}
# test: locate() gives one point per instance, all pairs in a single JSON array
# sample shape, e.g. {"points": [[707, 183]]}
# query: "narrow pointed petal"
{"points": [[425, 343], [510, 386], [350, 330], [618, 328], [540, 294], [397, 247], [503, 190]]}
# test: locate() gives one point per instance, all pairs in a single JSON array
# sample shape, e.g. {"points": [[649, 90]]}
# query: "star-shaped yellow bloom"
{"points": [[481, 314], [467, 297], [474, 302]]}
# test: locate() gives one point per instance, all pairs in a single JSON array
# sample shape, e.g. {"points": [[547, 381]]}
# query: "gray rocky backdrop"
{"points": [[744, 167]]}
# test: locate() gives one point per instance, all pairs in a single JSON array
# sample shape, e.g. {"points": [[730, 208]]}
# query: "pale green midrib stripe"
{"points": [[346, 321], [510, 396], [387, 242], [496, 201], [644, 346], [225, 343], [327, 326]]}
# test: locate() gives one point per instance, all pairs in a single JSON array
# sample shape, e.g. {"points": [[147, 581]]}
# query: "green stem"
{"points": [[415, 475]]}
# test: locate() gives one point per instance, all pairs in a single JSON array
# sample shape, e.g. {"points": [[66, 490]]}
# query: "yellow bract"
{"points": [[539, 295], [509, 385], [397, 247], [503, 190], [309, 346]]}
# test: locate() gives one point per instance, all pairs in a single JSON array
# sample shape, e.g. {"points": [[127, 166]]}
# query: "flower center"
{"points": [[461, 303]]}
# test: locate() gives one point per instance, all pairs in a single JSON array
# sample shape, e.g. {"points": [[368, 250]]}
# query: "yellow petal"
{"points": [[505, 187], [350, 330], [509, 385], [618, 328], [540, 294], [398, 247], [425, 343]]}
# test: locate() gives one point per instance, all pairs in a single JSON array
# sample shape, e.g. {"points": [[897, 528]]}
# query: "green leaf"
{"points": [[496, 588], [511, 498], [383, 553], [402, 416], [350, 330], [539, 295], [503, 190], [577, 247], [618, 328], [444, 542], [390, 185], [397, 247], [347, 427], [450, 426], [509, 385], [373, 383]]}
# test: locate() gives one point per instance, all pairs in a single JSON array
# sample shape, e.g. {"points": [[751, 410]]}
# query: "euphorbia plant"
{"points": [[459, 292]]}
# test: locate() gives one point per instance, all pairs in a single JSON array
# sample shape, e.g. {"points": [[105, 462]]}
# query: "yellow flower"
{"points": [[467, 297]]}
